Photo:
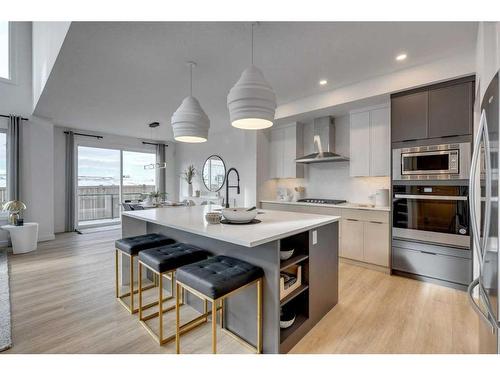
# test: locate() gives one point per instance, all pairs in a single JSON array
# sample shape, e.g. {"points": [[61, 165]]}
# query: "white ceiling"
{"points": [[118, 77]]}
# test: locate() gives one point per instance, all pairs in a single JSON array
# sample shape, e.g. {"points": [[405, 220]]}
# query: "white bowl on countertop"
{"points": [[239, 214]]}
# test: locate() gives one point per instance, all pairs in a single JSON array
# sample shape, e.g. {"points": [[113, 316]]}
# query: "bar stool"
{"points": [[214, 280], [163, 262], [131, 246]]}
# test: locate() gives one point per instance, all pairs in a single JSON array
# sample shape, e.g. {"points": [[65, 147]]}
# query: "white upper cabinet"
{"points": [[380, 142], [370, 142], [360, 144], [286, 144]]}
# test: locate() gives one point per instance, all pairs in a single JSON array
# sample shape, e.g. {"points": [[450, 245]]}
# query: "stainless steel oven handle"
{"points": [[431, 197]]}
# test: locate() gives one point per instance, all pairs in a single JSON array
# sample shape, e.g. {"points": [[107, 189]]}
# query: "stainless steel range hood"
{"points": [[324, 143]]}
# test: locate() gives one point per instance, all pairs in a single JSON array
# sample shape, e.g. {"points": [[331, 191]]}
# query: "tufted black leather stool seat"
{"points": [[163, 262], [166, 258], [216, 279], [132, 245], [218, 276]]}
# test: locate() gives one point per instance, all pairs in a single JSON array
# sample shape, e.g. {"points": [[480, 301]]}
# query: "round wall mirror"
{"points": [[214, 173]]}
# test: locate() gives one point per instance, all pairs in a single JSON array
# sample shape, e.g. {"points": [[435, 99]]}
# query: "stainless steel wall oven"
{"points": [[434, 214]]}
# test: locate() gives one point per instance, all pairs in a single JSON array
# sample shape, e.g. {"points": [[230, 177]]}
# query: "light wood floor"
{"points": [[63, 302]]}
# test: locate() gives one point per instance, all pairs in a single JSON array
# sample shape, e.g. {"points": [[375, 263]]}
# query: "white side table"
{"points": [[24, 238]]}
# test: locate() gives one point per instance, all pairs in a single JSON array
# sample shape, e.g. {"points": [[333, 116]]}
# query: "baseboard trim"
{"points": [[46, 237], [366, 265], [43, 238]]}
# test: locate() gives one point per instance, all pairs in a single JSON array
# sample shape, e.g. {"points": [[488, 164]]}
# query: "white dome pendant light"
{"points": [[190, 122], [251, 101]]}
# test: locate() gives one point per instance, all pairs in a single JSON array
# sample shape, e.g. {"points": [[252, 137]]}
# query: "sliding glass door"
{"points": [[98, 187], [107, 178], [137, 180]]}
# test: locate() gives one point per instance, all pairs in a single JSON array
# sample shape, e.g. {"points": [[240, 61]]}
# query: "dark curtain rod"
{"points": [[151, 143], [86, 135], [22, 118]]}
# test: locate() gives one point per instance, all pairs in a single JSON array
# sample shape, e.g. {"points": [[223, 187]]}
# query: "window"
{"points": [[100, 189], [137, 181], [4, 50]]}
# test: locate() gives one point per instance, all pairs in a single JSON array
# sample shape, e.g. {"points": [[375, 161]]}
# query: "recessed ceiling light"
{"points": [[401, 57], [323, 82]]}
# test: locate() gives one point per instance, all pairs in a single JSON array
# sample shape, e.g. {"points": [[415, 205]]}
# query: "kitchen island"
{"points": [[314, 239]]}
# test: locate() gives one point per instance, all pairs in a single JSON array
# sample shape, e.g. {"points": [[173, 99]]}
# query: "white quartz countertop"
{"points": [[275, 224], [343, 205]]}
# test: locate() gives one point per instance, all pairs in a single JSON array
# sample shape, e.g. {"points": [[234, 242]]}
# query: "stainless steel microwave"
{"points": [[435, 162]]}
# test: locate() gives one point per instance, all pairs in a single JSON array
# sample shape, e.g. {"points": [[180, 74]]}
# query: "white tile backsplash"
{"points": [[330, 180]]}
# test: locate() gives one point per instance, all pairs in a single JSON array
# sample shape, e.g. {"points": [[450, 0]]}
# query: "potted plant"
{"points": [[188, 176], [155, 197]]}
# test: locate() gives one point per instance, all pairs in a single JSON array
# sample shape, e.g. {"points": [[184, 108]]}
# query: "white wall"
{"points": [[108, 141], [48, 38], [15, 96], [37, 170], [238, 149], [37, 189]]}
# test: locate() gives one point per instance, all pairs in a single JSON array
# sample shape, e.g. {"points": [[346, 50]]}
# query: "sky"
{"points": [[4, 49], [98, 166]]}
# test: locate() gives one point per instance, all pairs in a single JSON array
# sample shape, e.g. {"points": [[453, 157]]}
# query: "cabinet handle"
{"points": [[427, 252], [352, 219], [376, 222]]}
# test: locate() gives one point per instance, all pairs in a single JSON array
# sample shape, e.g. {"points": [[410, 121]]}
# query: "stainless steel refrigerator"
{"points": [[483, 291]]}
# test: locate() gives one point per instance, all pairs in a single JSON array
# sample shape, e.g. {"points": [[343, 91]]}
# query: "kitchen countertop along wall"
{"points": [[349, 205]]}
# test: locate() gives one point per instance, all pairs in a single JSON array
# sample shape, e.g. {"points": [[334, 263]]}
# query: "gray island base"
{"points": [[314, 238]]}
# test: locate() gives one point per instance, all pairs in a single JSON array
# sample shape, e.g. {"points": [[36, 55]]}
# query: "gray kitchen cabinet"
{"points": [[409, 116], [377, 243], [436, 111], [364, 235], [450, 110], [351, 245], [286, 144], [380, 142], [370, 142], [359, 144]]}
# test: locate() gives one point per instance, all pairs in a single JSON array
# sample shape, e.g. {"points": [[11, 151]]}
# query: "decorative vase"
{"points": [[190, 189]]}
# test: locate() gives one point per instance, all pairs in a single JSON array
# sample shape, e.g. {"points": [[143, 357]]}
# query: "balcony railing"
{"points": [[103, 202]]}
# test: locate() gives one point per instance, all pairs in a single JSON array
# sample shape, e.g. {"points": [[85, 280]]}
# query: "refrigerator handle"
{"points": [[472, 192], [487, 204], [485, 317]]}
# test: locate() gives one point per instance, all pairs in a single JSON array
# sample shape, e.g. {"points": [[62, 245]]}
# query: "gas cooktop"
{"points": [[322, 201]]}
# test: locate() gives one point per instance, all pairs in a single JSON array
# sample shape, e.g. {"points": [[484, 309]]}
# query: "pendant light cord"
{"points": [[190, 79], [253, 24]]}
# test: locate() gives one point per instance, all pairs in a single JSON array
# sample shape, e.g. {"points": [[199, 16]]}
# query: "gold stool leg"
{"points": [[259, 316], [131, 284], [160, 306], [140, 289], [214, 326], [177, 318], [116, 273], [222, 313], [205, 309]]}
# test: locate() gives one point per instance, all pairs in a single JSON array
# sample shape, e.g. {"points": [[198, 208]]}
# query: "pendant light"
{"points": [[156, 165], [190, 123], [251, 101]]}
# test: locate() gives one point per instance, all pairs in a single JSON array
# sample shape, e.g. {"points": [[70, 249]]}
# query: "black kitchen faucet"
{"points": [[233, 186]]}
